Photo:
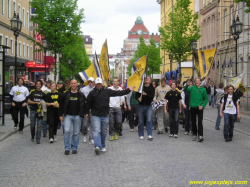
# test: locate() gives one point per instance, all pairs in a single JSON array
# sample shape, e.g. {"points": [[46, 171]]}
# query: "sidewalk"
{"points": [[243, 126], [8, 128]]}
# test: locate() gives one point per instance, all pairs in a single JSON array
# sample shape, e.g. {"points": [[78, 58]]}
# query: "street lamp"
{"points": [[45, 47], [193, 47], [16, 26], [70, 61], [236, 29]]}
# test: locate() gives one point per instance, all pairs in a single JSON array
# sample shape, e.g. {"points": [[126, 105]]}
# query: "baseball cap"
{"points": [[91, 79], [98, 80]]}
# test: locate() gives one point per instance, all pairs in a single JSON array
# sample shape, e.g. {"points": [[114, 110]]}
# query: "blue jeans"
{"points": [[212, 100], [218, 117], [174, 120], [34, 119], [145, 111], [45, 127], [100, 129], [229, 120], [74, 120]]}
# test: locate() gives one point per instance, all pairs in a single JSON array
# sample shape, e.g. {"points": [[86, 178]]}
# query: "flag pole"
{"points": [[145, 73]]}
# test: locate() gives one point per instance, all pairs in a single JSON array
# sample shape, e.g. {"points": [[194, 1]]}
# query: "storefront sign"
{"points": [[31, 64], [42, 66]]}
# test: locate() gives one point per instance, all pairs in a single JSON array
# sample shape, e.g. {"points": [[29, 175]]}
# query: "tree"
{"points": [[178, 33], [154, 59], [57, 20], [247, 4], [77, 53]]}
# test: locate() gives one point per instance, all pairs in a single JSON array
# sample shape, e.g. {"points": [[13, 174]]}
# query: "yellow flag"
{"points": [[235, 81], [104, 62], [137, 78], [206, 59], [92, 71], [242, 88]]}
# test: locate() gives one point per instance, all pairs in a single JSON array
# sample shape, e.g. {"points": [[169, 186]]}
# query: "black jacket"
{"points": [[146, 99], [81, 103], [98, 100], [209, 90], [234, 98]]}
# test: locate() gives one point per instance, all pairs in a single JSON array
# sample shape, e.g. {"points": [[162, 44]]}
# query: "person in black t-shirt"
{"points": [[53, 102], [34, 101], [173, 106], [73, 110]]}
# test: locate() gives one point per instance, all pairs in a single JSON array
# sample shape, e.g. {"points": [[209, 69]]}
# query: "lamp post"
{"points": [[16, 26], [45, 47], [70, 61], [236, 29], [193, 47]]}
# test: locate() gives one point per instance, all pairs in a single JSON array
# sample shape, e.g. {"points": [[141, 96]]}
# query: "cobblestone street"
{"points": [[128, 161]]}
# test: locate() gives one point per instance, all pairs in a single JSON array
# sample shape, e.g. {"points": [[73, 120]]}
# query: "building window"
{"points": [[9, 8], [19, 11], [23, 50], [28, 55], [7, 43], [14, 6], [225, 24], [3, 6], [231, 15], [20, 49], [31, 52], [11, 46], [23, 17], [28, 20]]}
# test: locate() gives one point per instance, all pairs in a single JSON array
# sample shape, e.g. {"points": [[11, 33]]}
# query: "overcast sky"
{"points": [[112, 19]]}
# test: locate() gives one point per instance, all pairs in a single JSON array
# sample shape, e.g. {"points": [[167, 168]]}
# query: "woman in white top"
{"points": [[19, 96]]}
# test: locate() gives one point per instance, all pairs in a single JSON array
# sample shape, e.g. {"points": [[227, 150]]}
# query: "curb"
{"points": [[238, 130], [12, 132]]}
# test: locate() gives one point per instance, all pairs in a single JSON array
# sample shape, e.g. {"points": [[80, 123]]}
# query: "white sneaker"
{"points": [[150, 137], [91, 141], [175, 136], [141, 137], [171, 135], [84, 139], [55, 140], [104, 149], [51, 140]]}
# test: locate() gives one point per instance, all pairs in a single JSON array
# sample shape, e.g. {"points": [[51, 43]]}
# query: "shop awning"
{"points": [[49, 59]]}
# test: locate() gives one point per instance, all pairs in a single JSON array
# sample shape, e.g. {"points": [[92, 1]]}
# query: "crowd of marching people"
{"points": [[96, 111]]}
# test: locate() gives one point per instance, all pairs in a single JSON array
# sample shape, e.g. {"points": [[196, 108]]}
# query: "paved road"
{"points": [[128, 162]]}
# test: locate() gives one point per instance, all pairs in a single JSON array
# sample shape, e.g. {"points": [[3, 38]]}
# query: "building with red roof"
{"points": [[132, 41]]}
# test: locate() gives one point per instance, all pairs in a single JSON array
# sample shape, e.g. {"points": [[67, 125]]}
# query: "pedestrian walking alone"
{"points": [[19, 95], [219, 94]]}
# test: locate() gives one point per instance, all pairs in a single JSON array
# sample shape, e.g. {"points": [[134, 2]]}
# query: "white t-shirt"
{"points": [[19, 93], [230, 108]]}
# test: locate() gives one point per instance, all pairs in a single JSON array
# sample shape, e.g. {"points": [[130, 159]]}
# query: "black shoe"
{"points": [[154, 128], [44, 135], [166, 130], [160, 132], [74, 152], [217, 128], [227, 140], [67, 152], [32, 139], [120, 133], [200, 139], [230, 139], [38, 142]]}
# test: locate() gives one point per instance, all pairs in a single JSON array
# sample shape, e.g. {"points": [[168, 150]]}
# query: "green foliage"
{"points": [[247, 4], [79, 59], [153, 52], [59, 21], [181, 29]]}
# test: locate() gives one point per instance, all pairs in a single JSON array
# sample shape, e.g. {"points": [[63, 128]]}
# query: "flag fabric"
{"points": [[133, 67], [242, 88], [235, 81], [137, 78], [224, 63], [92, 71], [218, 64], [206, 59], [104, 62]]}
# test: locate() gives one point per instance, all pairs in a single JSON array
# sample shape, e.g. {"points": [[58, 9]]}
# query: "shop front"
{"points": [[37, 71]]}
